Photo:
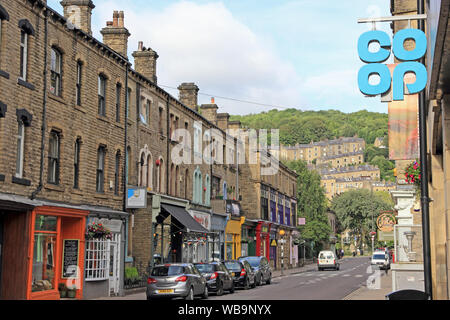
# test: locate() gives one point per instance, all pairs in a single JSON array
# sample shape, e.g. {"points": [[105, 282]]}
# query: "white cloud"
{"points": [[205, 44]]}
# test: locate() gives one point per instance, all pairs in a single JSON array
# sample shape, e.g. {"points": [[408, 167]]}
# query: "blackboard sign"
{"points": [[70, 258]]}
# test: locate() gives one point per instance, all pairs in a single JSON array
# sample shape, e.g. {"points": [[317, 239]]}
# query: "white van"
{"points": [[381, 260], [327, 259]]}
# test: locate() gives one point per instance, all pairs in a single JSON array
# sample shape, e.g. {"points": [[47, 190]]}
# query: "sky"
{"points": [[277, 54]]}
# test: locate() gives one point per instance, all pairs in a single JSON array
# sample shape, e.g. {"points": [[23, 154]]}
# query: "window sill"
{"points": [[101, 196], [80, 108], [54, 187], [21, 181], [2, 177], [130, 122], [78, 192], [4, 74], [103, 118], [56, 98], [25, 84], [119, 125]]}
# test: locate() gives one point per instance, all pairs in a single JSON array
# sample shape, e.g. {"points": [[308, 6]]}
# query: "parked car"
{"points": [[243, 274], [261, 267], [176, 280], [218, 277], [327, 259], [381, 259]]}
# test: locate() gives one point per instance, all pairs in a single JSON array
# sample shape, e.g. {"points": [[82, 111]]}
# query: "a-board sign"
{"points": [[70, 258]]}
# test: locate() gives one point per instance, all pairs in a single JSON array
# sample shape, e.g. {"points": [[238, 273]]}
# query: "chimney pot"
{"points": [[121, 19], [212, 100], [116, 19], [109, 23], [140, 45]]}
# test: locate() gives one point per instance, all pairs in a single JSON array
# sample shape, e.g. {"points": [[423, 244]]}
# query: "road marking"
{"points": [[359, 276]]}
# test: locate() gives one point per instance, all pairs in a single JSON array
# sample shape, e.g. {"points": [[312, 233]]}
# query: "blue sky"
{"points": [[287, 53]]}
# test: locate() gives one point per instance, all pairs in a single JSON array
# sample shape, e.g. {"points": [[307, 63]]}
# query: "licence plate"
{"points": [[165, 291]]}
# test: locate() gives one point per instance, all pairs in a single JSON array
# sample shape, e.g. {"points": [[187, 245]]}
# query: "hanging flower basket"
{"points": [[412, 174], [98, 231]]}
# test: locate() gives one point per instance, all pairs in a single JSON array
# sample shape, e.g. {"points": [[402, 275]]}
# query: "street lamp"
{"points": [[282, 250]]}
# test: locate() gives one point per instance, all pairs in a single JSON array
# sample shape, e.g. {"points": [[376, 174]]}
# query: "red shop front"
{"points": [[42, 248], [263, 239]]}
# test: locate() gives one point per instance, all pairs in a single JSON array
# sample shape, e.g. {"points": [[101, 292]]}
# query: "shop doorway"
{"points": [[114, 267]]}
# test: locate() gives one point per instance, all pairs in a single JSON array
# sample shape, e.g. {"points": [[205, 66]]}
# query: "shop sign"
{"points": [[70, 258], [408, 64], [386, 222], [202, 218], [273, 243], [136, 198], [264, 229]]}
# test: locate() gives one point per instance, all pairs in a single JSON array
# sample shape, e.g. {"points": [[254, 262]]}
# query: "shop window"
{"points": [[44, 253], [97, 259]]}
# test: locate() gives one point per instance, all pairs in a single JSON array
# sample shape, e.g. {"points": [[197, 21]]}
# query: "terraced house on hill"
{"points": [[81, 131]]}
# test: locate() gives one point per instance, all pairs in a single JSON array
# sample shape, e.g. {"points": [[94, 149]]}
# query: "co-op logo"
{"points": [[375, 66]]}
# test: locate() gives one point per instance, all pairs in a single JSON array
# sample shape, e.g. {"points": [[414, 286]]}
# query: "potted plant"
{"points": [[412, 175], [71, 291], [62, 290]]}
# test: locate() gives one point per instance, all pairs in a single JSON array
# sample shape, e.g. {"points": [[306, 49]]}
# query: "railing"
{"points": [[408, 243]]}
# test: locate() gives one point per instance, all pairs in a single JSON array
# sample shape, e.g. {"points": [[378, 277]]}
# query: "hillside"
{"points": [[298, 126]]}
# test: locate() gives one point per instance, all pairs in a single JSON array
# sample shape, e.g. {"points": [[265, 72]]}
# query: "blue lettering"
{"points": [[399, 73], [409, 55], [374, 68], [374, 36]]}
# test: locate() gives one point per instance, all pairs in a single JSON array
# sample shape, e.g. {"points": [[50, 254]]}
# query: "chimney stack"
{"points": [[188, 95], [222, 120], [79, 13], [115, 35], [209, 111], [145, 62]]}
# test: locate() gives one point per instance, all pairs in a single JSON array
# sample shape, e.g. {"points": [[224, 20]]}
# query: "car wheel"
{"points": [[190, 295], [254, 283], [247, 284], [269, 280], [219, 291], [205, 293], [260, 282], [232, 288], [149, 298]]}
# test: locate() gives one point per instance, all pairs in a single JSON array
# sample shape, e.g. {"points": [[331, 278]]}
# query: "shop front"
{"points": [[233, 238], [104, 268], [248, 238], [200, 246], [42, 249], [262, 235], [217, 237]]}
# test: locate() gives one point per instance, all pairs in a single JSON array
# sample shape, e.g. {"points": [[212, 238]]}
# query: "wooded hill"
{"points": [[302, 127]]}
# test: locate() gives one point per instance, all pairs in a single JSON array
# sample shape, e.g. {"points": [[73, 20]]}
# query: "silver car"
{"points": [[176, 280]]}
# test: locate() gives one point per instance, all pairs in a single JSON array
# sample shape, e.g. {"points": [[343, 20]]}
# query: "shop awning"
{"points": [[183, 217]]}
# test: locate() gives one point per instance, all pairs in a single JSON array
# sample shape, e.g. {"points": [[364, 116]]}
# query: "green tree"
{"points": [[311, 203], [357, 210]]}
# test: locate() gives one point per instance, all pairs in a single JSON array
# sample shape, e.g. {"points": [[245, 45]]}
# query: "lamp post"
{"points": [[282, 251]]}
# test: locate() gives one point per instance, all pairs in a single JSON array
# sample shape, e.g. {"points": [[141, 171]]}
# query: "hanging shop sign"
{"points": [[202, 218], [408, 63], [273, 243], [386, 222], [136, 198]]}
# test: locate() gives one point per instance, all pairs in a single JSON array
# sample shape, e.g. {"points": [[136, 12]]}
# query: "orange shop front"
{"points": [[43, 247]]}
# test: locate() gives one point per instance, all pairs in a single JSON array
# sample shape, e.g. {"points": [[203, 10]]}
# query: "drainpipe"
{"points": [[125, 181], [168, 144], [424, 174], [44, 110]]}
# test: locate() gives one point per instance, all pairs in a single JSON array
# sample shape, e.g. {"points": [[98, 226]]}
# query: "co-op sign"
{"points": [[408, 63]]}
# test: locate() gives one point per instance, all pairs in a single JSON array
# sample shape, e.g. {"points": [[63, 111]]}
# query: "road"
{"points": [[308, 285], [311, 285]]}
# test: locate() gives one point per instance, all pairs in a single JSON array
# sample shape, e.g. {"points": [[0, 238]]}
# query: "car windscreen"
{"points": [[167, 271], [378, 257], [254, 261], [233, 266], [206, 268], [323, 256]]}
